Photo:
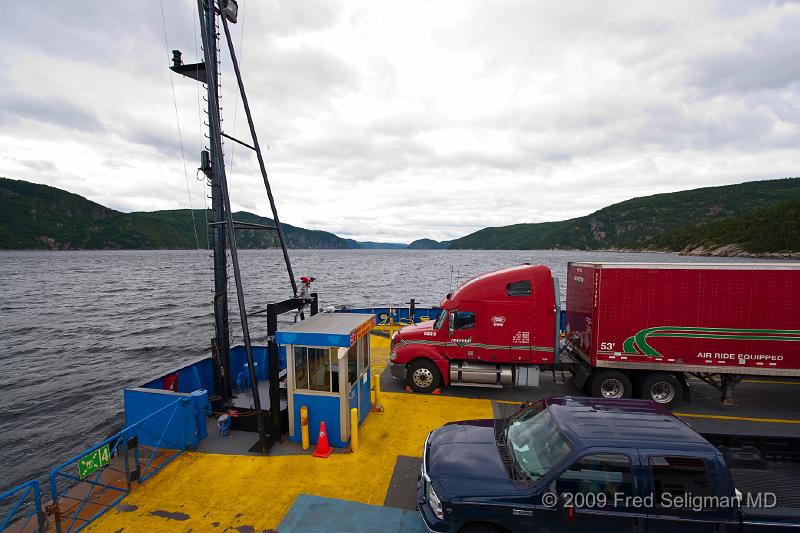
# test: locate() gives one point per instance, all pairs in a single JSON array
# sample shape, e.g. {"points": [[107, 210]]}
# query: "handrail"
{"points": [[27, 487], [119, 442]]}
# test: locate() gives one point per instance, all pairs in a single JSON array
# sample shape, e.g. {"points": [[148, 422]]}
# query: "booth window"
{"points": [[300, 367], [363, 352], [352, 359], [312, 369], [334, 369], [519, 288]]}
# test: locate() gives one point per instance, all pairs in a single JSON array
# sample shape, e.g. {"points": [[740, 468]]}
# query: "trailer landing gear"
{"points": [[724, 383]]}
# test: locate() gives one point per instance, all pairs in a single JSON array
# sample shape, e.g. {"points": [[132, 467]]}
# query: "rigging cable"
{"points": [[236, 102], [178, 121]]}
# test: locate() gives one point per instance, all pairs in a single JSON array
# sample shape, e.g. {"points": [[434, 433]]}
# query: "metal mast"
{"points": [[209, 25], [222, 341], [223, 226]]}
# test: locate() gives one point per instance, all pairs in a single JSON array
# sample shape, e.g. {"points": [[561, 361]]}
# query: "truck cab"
{"points": [[494, 330]]}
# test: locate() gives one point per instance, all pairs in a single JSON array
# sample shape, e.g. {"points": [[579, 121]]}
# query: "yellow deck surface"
{"points": [[212, 492]]}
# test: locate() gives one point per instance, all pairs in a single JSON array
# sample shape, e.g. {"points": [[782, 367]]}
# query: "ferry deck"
{"points": [[222, 486]]}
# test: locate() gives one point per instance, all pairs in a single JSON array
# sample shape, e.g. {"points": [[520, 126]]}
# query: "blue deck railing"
{"points": [[161, 426], [25, 512], [137, 452], [80, 501]]}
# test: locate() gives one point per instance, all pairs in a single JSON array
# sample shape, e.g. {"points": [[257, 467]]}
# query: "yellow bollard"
{"points": [[376, 385], [304, 426], [354, 429]]}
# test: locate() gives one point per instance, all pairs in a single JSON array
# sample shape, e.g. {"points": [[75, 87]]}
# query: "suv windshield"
{"points": [[440, 319], [537, 443]]}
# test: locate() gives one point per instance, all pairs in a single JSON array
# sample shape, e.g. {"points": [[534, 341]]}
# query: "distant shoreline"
{"points": [[726, 251]]}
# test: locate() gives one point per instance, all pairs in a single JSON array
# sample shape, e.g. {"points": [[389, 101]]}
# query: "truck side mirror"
{"points": [[451, 322]]}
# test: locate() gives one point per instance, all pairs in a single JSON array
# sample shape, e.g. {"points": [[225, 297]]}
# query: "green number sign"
{"points": [[94, 462]]}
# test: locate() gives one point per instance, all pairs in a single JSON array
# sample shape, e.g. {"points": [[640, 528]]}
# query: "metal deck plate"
{"points": [[402, 491], [314, 514]]}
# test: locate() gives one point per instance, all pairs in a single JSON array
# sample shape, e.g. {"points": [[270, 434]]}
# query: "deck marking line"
{"points": [[775, 381], [743, 418]]}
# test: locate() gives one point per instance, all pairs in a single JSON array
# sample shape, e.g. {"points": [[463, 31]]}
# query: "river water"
{"points": [[78, 327]]}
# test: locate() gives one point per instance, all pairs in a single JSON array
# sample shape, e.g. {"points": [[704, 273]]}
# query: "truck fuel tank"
{"points": [[491, 375]]}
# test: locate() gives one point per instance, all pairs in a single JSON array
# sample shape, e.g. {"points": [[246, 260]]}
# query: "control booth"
{"points": [[328, 372]]}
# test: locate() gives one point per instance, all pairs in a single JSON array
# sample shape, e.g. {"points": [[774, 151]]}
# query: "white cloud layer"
{"points": [[400, 120]]}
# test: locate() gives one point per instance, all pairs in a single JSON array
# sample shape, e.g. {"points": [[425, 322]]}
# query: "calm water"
{"points": [[78, 327]]}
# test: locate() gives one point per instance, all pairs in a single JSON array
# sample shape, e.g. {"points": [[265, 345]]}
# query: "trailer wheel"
{"points": [[664, 389], [423, 376], [611, 384]]}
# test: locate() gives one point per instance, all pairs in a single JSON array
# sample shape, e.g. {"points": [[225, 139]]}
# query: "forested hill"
{"points": [[752, 218], [34, 216]]}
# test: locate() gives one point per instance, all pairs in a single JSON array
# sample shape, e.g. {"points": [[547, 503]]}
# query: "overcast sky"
{"points": [[399, 120]]}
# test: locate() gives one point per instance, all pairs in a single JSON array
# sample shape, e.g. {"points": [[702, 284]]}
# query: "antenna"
{"points": [[450, 287]]}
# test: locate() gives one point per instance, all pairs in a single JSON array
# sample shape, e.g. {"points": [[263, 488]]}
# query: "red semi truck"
{"points": [[631, 329]]}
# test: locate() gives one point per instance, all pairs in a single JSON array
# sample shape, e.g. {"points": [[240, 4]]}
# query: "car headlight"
{"points": [[392, 357], [433, 500]]}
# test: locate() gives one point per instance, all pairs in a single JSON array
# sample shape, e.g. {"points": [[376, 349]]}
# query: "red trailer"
{"points": [[640, 327], [631, 329]]}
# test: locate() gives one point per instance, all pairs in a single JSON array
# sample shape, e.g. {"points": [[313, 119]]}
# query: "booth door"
{"points": [[349, 387], [364, 379], [358, 379]]}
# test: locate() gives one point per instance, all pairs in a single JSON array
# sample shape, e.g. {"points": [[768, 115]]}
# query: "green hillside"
{"points": [[428, 244], [765, 230], [670, 221], [754, 218], [34, 216]]}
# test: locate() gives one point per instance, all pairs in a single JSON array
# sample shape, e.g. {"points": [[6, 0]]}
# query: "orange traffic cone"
{"points": [[323, 449]]}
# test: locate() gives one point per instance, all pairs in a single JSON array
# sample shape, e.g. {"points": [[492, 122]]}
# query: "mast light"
{"points": [[231, 10]]}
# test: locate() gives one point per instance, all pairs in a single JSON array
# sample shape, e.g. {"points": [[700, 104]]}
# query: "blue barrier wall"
{"points": [[194, 376], [401, 313], [173, 428], [239, 358], [383, 314]]}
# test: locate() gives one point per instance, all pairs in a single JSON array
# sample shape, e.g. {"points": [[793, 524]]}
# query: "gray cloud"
{"points": [[41, 166], [394, 122], [54, 110]]}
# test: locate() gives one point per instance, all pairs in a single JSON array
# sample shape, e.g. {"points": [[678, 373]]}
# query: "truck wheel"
{"points": [[611, 384], [423, 376], [662, 388]]}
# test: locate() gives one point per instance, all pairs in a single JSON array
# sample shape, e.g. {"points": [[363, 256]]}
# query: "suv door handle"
{"points": [[521, 512]]}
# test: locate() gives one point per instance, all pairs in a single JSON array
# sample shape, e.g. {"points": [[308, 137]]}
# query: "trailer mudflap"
{"points": [[687, 389], [582, 373]]}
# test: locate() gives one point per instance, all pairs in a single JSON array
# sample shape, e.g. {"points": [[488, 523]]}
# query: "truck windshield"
{"points": [[537, 443], [440, 319]]}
